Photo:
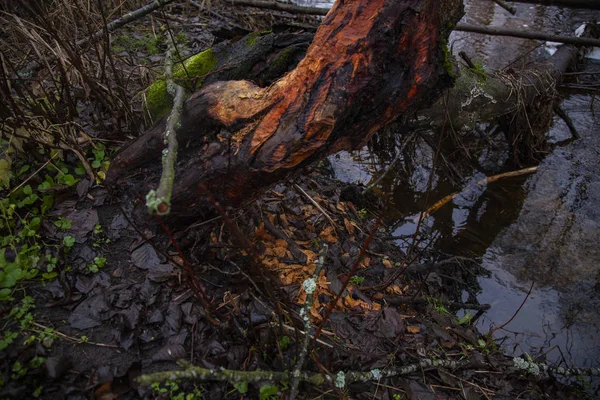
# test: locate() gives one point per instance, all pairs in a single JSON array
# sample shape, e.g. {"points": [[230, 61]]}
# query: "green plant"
{"points": [[284, 342], [268, 392], [357, 280], [479, 70], [99, 236], [18, 370], [241, 387], [438, 305], [9, 337], [465, 319], [97, 264], [63, 224], [175, 392], [68, 241], [362, 213]]}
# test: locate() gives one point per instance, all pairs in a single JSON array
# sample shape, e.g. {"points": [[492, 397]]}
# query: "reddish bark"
{"points": [[370, 61]]}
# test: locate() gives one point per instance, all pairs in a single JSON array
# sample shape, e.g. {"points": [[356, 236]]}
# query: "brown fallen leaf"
{"points": [[327, 234], [349, 226], [413, 329], [387, 263]]}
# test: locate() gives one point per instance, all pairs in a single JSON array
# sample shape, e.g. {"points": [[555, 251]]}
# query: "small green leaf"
{"points": [[241, 387], [47, 203], [27, 190], [44, 185], [24, 169], [5, 294], [79, 170], [69, 241], [49, 275], [68, 180], [96, 164]]}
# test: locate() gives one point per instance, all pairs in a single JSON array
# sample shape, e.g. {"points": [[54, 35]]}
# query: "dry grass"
{"points": [[50, 83]]}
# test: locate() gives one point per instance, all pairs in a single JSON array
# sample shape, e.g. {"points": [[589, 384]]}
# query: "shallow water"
{"points": [[542, 228]]}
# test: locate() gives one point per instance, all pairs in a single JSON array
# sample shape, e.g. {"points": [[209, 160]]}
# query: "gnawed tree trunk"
{"points": [[370, 61]]}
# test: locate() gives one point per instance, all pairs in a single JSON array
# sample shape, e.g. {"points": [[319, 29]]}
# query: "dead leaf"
{"points": [[281, 243], [311, 256], [327, 234], [280, 251], [413, 329], [387, 263], [349, 226]]}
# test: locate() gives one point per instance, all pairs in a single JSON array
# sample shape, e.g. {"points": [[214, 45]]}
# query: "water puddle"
{"points": [[542, 228]]}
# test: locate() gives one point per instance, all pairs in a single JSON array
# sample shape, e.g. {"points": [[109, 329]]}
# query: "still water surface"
{"points": [[543, 228]]}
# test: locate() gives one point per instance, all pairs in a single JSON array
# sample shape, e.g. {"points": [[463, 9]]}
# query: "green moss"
{"points": [[447, 62], [283, 59], [148, 43], [252, 38], [196, 67], [158, 101]]}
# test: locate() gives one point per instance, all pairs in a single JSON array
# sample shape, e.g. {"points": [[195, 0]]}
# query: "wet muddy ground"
{"points": [[101, 324]]}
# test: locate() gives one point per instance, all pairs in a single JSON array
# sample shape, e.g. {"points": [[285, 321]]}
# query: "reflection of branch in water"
{"points": [[485, 181], [492, 330]]}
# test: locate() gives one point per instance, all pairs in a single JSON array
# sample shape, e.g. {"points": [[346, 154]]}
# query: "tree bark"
{"points": [[370, 61]]}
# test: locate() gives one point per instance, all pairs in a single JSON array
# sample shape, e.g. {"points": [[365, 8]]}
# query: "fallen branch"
{"points": [[578, 41], [585, 4], [124, 20], [275, 5], [506, 6], [159, 201], [342, 379], [482, 182]]}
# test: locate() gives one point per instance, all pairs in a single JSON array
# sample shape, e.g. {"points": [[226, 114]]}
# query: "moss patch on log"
{"points": [[158, 102]]}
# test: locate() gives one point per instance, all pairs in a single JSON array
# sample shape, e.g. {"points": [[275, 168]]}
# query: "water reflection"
{"points": [[543, 228]]}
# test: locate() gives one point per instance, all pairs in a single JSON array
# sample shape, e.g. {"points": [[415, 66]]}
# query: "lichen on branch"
{"points": [[159, 201]]}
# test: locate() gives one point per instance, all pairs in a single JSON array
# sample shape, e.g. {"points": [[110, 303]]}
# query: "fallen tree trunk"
{"points": [[369, 62]]}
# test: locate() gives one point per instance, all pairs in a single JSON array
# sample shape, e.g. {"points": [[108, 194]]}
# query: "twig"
{"points": [[331, 221], [34, 174], [578, 41], [491, 332], [73, 339], [389, 168], [309, 287], [352, 272], [301, 332], [275, 5], [159, 201], [341, 379], [110, 27], [506, 6], [565, 117], [294, 249]]}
